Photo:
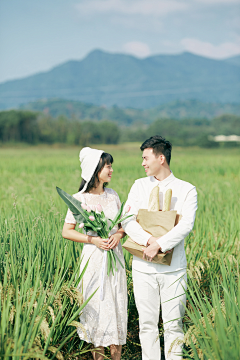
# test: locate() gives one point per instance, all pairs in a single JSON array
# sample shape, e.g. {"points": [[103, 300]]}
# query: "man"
{"points": [[156, 284]]}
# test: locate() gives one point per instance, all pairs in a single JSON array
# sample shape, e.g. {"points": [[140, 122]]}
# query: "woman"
{"points": [[104, 317]]}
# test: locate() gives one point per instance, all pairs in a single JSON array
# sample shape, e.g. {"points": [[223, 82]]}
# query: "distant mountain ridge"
{"points": [[127, 116], [124, 80]]}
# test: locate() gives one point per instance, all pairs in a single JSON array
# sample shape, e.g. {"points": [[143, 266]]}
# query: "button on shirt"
{"points": [[184, 200]]}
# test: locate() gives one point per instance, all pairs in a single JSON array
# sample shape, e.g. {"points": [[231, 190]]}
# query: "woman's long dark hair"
{"points": [[93, 183]]}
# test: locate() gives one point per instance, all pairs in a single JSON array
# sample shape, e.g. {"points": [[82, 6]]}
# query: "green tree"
{"points": [[226, 125], [17, 126], [109, 132]]}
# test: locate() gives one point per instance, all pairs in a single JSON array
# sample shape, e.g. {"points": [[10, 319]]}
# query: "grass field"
{"points": [[39, 301]]}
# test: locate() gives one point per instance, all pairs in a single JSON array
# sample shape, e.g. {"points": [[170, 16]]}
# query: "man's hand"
{"points": [[151, 251], [151, 240]]}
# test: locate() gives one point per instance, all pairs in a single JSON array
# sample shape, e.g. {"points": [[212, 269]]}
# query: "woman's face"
{"points": [[106, 173]]}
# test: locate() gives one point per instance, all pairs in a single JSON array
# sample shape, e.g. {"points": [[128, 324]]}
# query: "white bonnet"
{"points": [[89, 159]]}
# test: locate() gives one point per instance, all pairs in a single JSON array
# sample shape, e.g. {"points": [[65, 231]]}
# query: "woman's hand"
{"points": [[100, 243], [114, 240]]}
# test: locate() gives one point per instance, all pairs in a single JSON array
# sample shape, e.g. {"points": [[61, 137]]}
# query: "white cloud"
{"points": [[207, 49], [133, 7], [137, 48]]}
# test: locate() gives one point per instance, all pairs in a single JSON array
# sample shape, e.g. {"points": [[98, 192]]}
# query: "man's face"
{"points": [[151, 163]]}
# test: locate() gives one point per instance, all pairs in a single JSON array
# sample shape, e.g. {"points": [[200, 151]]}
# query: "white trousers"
{"points": [[151, 290]]}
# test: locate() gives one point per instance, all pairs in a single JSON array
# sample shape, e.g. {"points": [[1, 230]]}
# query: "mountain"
{"points": [[127, 116], [106, 79]]}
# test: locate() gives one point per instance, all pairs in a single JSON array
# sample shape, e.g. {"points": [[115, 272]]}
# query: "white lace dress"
{"points": [[105, 321]]}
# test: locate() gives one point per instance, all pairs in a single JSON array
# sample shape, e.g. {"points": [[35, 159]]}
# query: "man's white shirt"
{"points": [[184, 200]]}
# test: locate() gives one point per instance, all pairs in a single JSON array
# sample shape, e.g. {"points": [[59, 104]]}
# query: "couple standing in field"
{"points": [[105, 318]]}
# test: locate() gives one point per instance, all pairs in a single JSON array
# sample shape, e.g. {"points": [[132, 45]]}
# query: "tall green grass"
{"points": [[39, 270], [40, 302], [213, 325]]}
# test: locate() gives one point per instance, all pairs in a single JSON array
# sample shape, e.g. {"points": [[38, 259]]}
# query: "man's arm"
{"points": [[131, 226], [180, 231]]}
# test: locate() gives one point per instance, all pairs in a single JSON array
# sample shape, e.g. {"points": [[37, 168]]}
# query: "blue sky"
{"points": [[38, 35]]}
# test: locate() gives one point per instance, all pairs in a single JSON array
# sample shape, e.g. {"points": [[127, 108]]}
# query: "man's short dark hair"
{"points": [[159, 146]]}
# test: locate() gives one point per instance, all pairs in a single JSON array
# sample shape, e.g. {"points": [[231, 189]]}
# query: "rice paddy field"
{"points": [[39, 270]]}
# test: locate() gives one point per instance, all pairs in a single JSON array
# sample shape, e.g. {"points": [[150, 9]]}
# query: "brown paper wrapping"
{"points": [[156, 223]]}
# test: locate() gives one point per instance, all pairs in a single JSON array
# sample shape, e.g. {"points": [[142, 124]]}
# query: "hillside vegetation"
{"points": [[22, 126], [117, 79], [188, 109]]}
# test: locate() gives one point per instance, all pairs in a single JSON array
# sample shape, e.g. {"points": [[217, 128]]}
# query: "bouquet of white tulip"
{"points": [[96, 221]]}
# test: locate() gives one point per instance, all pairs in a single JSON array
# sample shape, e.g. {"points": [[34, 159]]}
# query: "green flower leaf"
{"points": [[74, 205]]}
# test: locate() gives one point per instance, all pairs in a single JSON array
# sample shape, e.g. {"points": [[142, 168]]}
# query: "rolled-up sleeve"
{"points": [[131, 226], [185, 225]]}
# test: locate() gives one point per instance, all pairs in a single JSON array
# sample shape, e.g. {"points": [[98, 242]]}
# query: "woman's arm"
{"points": [[70, 233], [115, 238]]}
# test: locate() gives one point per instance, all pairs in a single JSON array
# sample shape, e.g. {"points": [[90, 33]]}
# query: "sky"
{"points": [[37, 35]]}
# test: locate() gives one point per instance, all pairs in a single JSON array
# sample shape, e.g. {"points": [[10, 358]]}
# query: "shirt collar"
{"points": [[164, 182]]}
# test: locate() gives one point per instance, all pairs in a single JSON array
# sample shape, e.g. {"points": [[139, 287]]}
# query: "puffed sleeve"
{"points": [[69, 219]]}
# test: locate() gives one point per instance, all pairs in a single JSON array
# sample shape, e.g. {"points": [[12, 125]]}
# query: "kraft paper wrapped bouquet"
{"points": [[155, 222]]}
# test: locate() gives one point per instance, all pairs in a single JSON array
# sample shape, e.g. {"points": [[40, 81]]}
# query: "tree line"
{"points": [[36, 128]]}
